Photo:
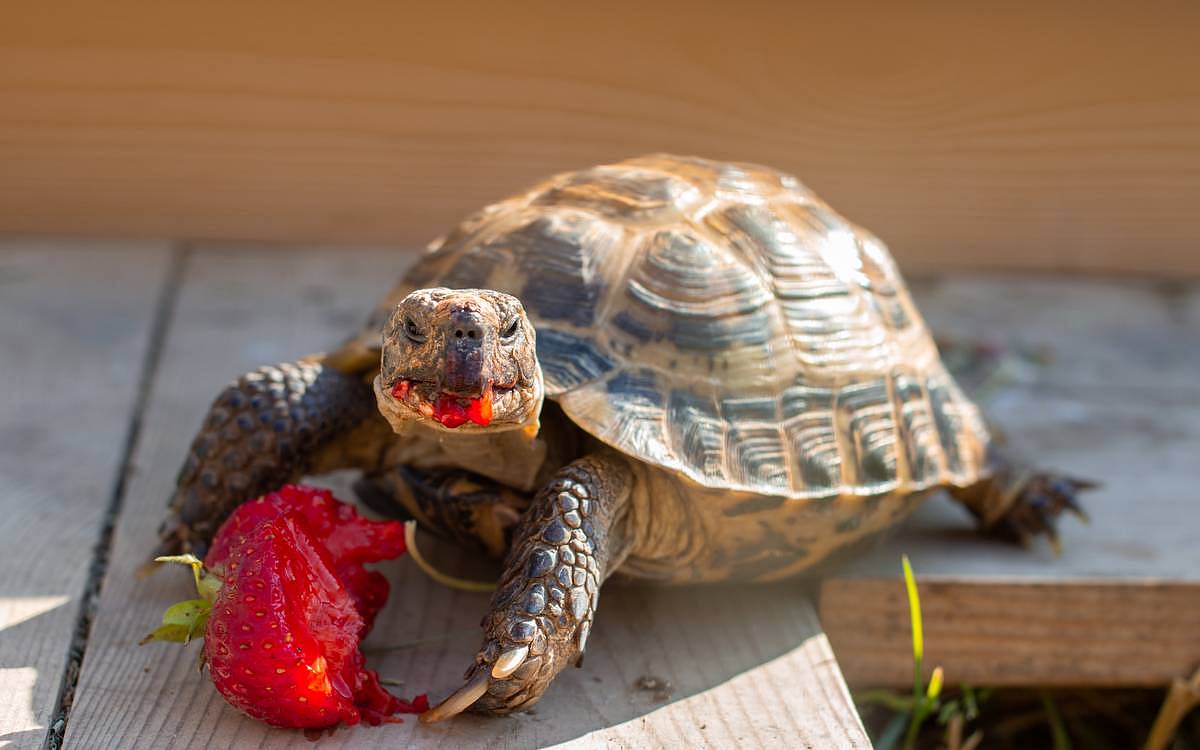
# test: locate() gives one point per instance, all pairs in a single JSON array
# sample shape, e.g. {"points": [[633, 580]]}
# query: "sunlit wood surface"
{"points": [[74, 332], [1098, 379], [749, 667], [100, 340]]}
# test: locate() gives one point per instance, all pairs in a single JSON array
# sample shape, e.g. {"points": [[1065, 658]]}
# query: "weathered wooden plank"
{"points": [[992, 632], [749, 667], [1119, 402], [75, 324], [383, 123]]}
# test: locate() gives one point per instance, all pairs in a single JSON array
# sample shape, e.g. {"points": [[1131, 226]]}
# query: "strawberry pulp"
{"points": [[453, 411], [282, 633], [282, 641], [450, 411], [350, 539]]}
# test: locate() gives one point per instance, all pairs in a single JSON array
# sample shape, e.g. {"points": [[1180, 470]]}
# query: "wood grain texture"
{"points": [[764, 681], [74, 327], [1119, 403], [1098, 633], [1060, 136]]}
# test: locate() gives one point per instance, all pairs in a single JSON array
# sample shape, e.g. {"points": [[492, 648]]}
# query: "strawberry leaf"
{"points": [[187, 559], [172, 633], [182, 622], [186, 612], [207, 583], [191, 614]]}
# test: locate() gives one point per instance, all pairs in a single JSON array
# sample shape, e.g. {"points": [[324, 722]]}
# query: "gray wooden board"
{"points": [[1118, 402], [75, 323], [750, 666]]}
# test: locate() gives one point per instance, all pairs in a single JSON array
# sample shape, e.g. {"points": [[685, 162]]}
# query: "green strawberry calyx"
{"points": [[186, 620]]}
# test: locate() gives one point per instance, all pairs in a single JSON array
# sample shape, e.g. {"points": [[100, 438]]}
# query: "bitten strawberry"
{"points": [[350, 539], [290, 602]]}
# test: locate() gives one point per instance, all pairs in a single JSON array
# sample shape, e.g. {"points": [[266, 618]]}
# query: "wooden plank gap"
{"points": [[164, 313]]}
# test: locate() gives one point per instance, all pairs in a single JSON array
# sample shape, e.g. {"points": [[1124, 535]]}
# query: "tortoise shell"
{"points": [[721, 321]]}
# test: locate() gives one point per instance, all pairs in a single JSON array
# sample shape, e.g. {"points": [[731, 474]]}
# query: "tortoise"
{"points": [[676, 369]]}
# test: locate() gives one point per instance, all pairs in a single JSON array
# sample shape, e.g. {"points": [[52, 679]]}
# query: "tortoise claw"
{"points": [[1039, 502], [1066, 490], [460, 700]]}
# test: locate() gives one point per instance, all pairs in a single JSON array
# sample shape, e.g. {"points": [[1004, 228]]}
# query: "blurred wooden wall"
{"points": [[1037, 135]]}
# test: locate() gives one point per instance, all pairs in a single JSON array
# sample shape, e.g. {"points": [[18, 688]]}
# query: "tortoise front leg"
{"points": [[267, 428], [568, 542]]}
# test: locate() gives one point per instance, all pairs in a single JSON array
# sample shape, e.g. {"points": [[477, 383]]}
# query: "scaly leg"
{"points": [[571, 538], [269, 427]]}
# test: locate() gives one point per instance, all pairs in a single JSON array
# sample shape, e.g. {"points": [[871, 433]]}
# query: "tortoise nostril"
{"points": [[465, 325], [467, 332]]}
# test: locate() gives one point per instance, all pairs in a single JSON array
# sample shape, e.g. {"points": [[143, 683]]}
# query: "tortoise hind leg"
{"points": [[466, 507], [267, 428], [1019, 503], [568, 542]]}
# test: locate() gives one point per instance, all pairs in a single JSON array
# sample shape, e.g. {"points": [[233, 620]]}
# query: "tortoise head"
{"points": [[459, 359]]}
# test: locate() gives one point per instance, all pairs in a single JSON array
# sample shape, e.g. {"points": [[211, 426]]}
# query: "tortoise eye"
{"points": [[413, 332], [511, 330]]}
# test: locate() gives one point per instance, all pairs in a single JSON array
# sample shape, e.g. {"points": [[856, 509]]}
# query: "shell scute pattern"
{"points": [[767, 240], [864, 417], [956, 419], [569, 360], [757, 455], [812, 436], [690, 306], [721, 321], [627, 194], [697, 431], [559, 266], [918, 435], [636, 400]]}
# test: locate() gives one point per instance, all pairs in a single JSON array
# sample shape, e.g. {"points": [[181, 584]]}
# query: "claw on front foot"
{"points": [[513, 681], [509, 661], [460, 700], [1035, 504]]}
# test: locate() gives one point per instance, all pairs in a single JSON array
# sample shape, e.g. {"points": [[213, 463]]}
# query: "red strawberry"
{"points": [[282, 640], [282, 634], [350, 539]]}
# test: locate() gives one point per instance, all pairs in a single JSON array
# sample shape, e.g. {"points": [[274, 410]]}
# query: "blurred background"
{"points": [[1053, 136]]}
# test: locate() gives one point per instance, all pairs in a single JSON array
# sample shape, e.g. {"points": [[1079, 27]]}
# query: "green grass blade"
{"points": [[921, 704], [914, 612], [891, 733], [1058, 730]]}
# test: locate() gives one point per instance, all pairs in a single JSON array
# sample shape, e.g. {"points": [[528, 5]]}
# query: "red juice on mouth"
{"points": [[452, 411]]}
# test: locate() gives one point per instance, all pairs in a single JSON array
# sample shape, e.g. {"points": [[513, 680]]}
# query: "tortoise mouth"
{"points": [[453, 410]]}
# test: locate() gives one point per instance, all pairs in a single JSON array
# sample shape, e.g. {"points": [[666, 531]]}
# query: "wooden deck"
{"points": [[111, 353], [1118, 402]]}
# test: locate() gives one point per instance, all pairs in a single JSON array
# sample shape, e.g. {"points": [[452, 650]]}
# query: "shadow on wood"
{"points": [[746, 666]]}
